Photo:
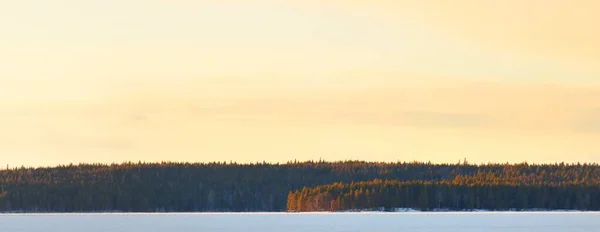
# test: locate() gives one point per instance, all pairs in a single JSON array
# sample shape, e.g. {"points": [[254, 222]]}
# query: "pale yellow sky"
{"points": [[113, 81]]}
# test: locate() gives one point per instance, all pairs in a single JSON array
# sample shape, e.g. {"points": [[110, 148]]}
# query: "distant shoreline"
{"points": [[295, 187], [306, 213]]}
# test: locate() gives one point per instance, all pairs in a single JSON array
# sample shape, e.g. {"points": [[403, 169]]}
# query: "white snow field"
{"points": [[305, 222]]}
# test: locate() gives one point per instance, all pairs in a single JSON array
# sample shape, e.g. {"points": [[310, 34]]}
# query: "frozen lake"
{"points": [[304, 222]]}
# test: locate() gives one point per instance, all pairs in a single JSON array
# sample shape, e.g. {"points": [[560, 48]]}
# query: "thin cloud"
{"points": [[590, 123], [442, 119]]}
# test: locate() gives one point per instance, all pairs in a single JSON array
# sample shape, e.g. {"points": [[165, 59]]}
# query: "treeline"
{"points": [[460, 194], [191, 187]]}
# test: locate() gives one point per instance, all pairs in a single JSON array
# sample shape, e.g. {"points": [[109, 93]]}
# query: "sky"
{"points": [[246, 81]]}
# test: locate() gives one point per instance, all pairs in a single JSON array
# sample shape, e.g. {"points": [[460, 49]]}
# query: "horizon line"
{"points": [[464, 162]]}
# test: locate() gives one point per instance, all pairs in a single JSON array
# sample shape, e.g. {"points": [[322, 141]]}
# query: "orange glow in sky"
{"points": [[112, 81]]}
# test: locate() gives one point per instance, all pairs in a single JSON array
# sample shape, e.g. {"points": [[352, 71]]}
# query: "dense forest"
{"points": [[445, 195], [187, 187]]}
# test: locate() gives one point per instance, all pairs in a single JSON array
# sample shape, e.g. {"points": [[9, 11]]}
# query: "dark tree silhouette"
{"points": [[189, 187]]}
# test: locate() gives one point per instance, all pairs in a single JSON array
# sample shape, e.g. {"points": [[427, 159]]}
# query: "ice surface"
{"points": [[305, 222]]}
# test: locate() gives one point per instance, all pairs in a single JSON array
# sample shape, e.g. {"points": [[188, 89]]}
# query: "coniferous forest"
{"points": [[298, 186], [445, 195]]}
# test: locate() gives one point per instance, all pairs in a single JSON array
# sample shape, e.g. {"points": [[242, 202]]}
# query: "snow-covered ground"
{"points": [[305, 222], [450, 210]]}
